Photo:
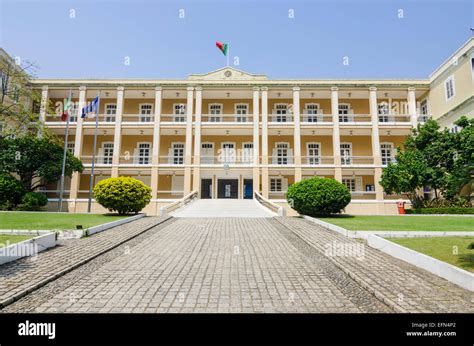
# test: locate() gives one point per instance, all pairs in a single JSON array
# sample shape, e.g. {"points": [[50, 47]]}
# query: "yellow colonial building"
{"points": [[229, 133]]}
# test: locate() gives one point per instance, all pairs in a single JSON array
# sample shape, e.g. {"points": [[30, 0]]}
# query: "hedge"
{"points": [[440, 211]]}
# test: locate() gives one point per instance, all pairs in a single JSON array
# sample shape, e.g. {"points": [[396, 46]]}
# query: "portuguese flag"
{"points": [[222, 47]]}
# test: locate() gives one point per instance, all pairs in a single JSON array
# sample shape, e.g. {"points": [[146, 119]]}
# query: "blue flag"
{"points": [[91, 107]]}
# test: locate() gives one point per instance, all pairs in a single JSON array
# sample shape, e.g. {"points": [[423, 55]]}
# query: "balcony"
{"points": [[281, 160], [351, 119], [100, 160], [357, 160], [137, 160], [280, 118], [143, 119], [227, 118], [317, 160], [316, 119], [394, 119], [227, 160], [171, 160]]}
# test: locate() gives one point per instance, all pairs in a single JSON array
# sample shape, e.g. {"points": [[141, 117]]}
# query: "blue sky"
{"points": [[160, 44]]}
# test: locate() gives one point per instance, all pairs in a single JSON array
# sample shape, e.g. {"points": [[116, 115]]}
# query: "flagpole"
{"points": [[63, 169], [91, 181]]}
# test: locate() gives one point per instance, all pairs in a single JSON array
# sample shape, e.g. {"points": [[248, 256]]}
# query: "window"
{"points": [[313, 153], [386, 152], [107, 153], [144, 153], [241, 112], [281, 153], [350, 183], [280, 113], [215, 110], [74, 107], [344, 113], [276, 184], [311, 112], [177, 151], [383, 111], [247, 154], [207, 153], [179, 112], [424, 107], [146, 111], [449, 88], [346, 153], [110, 112], [71, 146], [227, 153]]}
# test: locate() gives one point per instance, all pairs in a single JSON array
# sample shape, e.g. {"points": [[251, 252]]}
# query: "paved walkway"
{"points": [[224, 208], [243, 265]]}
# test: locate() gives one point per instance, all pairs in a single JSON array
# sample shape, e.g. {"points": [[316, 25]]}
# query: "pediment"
{"points": [[227, 73]]}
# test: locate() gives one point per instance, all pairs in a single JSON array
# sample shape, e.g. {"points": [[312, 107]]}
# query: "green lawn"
{"points": [[53, 221], [444, 249], [403, 223], [13, 239]]}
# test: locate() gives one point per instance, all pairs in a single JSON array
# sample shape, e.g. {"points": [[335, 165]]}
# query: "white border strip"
{"points": [[21, 249], [105, 226], [445, 270]]}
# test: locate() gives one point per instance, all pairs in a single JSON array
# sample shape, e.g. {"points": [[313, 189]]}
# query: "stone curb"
{"points": [[105, 226], [442, 269], [43, 242], [53, 277]]}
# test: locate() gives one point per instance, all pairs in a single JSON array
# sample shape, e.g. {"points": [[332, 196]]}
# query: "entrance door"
{"points": [[206, 188], [248, 188], [227, 188]]}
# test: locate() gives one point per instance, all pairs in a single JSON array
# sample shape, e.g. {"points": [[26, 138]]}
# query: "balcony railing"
{"points": [[316, 118], [171, 160], [354, 118], [135, 160], [99, 160], [317, 160], [357, 160], [394, 118], [281, 160], [227, 118], [231, 160], [280, 118], [138, 118]]}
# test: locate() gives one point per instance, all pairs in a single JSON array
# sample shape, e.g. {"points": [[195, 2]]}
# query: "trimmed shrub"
{"points": [[11, 191], [440, 211], [33, 201], [124, 195], [318, 196]]}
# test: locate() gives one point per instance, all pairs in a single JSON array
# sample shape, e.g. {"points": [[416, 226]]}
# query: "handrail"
{"points": [[280, 210], [166, 209]]}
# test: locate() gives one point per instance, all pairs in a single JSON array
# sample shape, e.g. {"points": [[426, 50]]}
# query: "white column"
{"points": [[265, 181], [297, 133], [376, 142], [336, 140], [411, 98], [78, 144], [197, 142], [256, 139], [44, 103], [155, 159], [118, 132], [189, 140]]}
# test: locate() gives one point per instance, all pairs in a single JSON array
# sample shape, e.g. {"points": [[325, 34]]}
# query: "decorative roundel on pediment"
{"points": [[228, 73]]}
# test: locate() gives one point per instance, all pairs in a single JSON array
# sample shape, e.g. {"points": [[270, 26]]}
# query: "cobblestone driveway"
{"points": [[242, 265]]}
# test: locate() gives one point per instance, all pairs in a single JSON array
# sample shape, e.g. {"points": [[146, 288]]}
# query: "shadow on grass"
{"points": [[466, 261]]}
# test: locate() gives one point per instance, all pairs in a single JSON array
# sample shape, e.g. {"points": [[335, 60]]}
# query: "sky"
{"points": [[319, 39]]}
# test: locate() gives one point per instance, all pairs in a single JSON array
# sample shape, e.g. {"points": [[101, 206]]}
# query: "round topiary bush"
{"points": [[33, 201], [124, 195], [318, 196], [11, 191]]}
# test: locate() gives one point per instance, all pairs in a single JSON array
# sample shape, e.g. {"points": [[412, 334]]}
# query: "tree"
{"points": [[318, 196], [123, 194], [407, 175], [31, 157]]}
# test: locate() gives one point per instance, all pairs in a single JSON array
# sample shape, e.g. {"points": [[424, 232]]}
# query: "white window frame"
{"points": [[247, 153], [109, 117], [177, 159], [179, 117], [274, 187], [107, 159], [241, 118], [215, 118], [346, 160], [283, 160], [228, 157], [73, 110], [280, 118], [311, 117], [312, 159], [357, 181], [385, 159], [142, 158], [145, 118], [344, 116], [207, 159], [71, 146], [385, 116], [450, 80]]}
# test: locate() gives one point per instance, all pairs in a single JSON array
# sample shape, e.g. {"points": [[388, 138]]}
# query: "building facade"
{"points": [[229, 133]]}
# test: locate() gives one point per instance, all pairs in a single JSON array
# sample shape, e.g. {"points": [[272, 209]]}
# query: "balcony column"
{"points": [[118, 133], [43, 108], [197, 142], [265, 181], [411, 99], [155, 154], [189, 140], [256, 139], [77, 148], [336, 140], [297, 133], [376, 142]]}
